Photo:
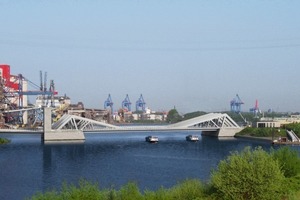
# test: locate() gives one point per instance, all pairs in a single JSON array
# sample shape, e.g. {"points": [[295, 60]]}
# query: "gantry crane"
{"points": [[109, 103], [235, 104], [140, 104], [126, 104]]}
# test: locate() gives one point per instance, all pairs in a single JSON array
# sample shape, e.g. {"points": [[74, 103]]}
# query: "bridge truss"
{"points": [[212, 122], [80, 123], [208, 121]]}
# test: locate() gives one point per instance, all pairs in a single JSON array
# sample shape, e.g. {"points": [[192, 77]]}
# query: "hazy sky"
{"points": [[193, 54]]}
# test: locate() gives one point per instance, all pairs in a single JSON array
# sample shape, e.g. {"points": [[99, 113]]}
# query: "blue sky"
{"points": [[194, 55]]}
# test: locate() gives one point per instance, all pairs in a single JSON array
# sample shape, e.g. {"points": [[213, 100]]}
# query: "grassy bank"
{"points": [[249, 174], [262, 132], [270, 132]]}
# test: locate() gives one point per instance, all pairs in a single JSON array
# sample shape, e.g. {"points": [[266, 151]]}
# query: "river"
{"points": [[111, 159]]}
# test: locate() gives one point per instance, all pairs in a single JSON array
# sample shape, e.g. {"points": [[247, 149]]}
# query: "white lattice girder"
{"points": [[80, 123], [211, 121], [216, 120]]}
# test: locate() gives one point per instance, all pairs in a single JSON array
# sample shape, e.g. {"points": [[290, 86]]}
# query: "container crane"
{"points": [[235, 104], [140, 104], [109, 103], [126, 104]]}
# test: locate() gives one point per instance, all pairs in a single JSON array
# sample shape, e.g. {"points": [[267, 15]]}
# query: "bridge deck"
{"points": [[212, 122]]}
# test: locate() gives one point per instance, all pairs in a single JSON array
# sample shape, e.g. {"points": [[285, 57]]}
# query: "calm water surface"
{"points": [[27, 165]]}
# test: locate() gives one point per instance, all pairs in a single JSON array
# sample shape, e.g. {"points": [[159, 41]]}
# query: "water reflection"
{"points": [[59, 160], [28, 166]]}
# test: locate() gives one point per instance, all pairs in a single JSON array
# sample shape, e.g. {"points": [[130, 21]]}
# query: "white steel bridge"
{"points": [[215, 124]]}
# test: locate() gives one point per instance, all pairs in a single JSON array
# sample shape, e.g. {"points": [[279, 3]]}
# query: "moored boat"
{"points": [[151, 139], [192, 138]]}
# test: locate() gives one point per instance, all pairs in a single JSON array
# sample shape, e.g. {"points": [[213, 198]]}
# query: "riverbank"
{"points": [[270, 140], [263, 139]]}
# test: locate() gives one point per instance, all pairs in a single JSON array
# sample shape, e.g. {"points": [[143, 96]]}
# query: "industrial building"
{"points": [[15, 107], [277, 122], [56, 101], [12, 86]]}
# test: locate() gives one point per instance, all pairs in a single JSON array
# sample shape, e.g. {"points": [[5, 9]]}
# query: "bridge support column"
{"points": [[210, 133], [58, 135], [228, 132], [223, 132]]}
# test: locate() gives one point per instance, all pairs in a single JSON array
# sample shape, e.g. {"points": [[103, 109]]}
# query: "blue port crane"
{"points": [[109, 103], [126, 104], [235, 104], [140, 104]]}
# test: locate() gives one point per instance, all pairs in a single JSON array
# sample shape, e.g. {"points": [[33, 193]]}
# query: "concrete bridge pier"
{"points": [[223, 132], [228, 131], [210, 133], [58, 135]]}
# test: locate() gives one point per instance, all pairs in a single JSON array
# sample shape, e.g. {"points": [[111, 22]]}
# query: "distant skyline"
{"points": [[194, 55]]}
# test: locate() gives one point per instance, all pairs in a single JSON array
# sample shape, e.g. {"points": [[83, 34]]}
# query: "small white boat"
{"points": [[151, 139], [192, 138]]}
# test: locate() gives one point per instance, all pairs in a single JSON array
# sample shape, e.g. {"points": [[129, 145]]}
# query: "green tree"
{"points": [[288, 160], [173, 116], [248, 175], [193, 114]]}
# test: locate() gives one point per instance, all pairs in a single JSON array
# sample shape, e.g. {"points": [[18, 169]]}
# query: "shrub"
{"points": [[50, 195], [248, 175], [4, 141], [189, 189], [130, 191], [288, 160], [292, 185], [160, 194], [85, 190]]}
